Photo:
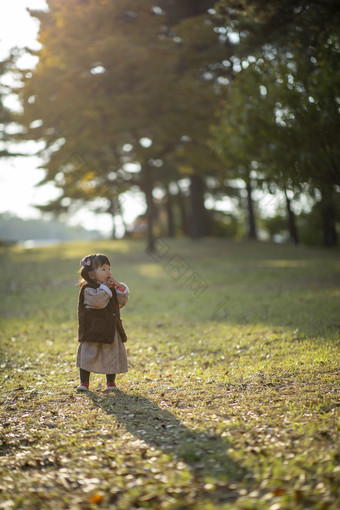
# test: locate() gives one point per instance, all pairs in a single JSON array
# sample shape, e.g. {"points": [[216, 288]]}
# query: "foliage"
{"points": [[282, 111], [225, 225], [310, 226], [232, 396], [275, 225], [5, 115], [97, 94], [296, 23], [124, 96]]}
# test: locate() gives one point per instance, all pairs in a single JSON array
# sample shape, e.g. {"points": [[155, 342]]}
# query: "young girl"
{"points": [[101, 332]]}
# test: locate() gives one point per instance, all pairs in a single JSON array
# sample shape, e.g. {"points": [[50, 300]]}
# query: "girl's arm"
{"points": [[97, 298], [122, 292]]}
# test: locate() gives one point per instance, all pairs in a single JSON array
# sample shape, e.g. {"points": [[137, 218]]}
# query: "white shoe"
{"points": [[110, 387], [82, 387]]}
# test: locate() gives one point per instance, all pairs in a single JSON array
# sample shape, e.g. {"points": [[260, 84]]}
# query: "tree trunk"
{"points": [[328, 217], [182, 211], [120, 212], [198, 212], [113, 231], [293, 233], [252, 233], [146, 185], [170, 212], [112, 210]]}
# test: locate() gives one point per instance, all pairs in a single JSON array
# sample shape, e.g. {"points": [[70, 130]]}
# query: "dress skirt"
{"points": [[103, 358]]}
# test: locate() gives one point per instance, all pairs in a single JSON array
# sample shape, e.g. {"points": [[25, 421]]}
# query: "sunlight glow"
{"points": [[17, 27], [20, 175]]}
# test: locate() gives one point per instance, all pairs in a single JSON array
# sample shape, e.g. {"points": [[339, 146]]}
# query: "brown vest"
{"points": [[99, 324]]}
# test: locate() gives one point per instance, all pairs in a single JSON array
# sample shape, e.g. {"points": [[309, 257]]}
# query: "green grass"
{"points": [[232, 396]]}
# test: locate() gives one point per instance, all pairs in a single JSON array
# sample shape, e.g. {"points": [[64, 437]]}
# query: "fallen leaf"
{"points": [[96, 498], [278, 492]]}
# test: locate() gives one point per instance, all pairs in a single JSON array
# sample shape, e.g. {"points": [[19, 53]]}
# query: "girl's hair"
{"points": [[90, 263]]}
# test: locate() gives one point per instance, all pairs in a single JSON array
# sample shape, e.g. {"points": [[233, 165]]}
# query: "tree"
{"points": [[298, 44], [96, 91], [6, 116], [283, 25], [199, 63], [91, 93]]}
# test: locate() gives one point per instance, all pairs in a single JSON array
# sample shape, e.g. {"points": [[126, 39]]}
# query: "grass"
{"points": [[232, 396]]}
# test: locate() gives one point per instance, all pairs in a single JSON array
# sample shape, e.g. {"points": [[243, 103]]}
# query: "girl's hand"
{"points": [[111, 282]]}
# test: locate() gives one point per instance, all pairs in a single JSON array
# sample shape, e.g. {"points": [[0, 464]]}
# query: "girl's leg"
{"points": [[84, 377], [110, 382], [110, 379]]}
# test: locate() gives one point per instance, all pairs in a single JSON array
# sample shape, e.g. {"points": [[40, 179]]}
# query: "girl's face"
{"points": [[101, 273]]}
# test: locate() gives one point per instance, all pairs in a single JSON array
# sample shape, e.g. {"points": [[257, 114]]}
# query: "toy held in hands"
{"points": [[112, 283]]}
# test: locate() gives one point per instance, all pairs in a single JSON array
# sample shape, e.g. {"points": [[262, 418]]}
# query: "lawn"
{"points": [[232, 396]]}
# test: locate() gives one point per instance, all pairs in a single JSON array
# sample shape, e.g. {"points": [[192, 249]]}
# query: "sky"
{"points": [[19, 175]]}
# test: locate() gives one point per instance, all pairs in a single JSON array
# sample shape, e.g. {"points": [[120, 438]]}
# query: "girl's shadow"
{"points": [[205, 454]]}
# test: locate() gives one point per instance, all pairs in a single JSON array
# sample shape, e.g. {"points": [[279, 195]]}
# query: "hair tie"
{"points": [[85, 262]]}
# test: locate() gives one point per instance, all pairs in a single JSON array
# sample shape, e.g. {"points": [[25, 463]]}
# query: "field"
{"points": [[232, 396]]}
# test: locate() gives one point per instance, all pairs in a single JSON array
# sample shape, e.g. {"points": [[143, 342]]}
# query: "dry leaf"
{"points": [[96, 498]]}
